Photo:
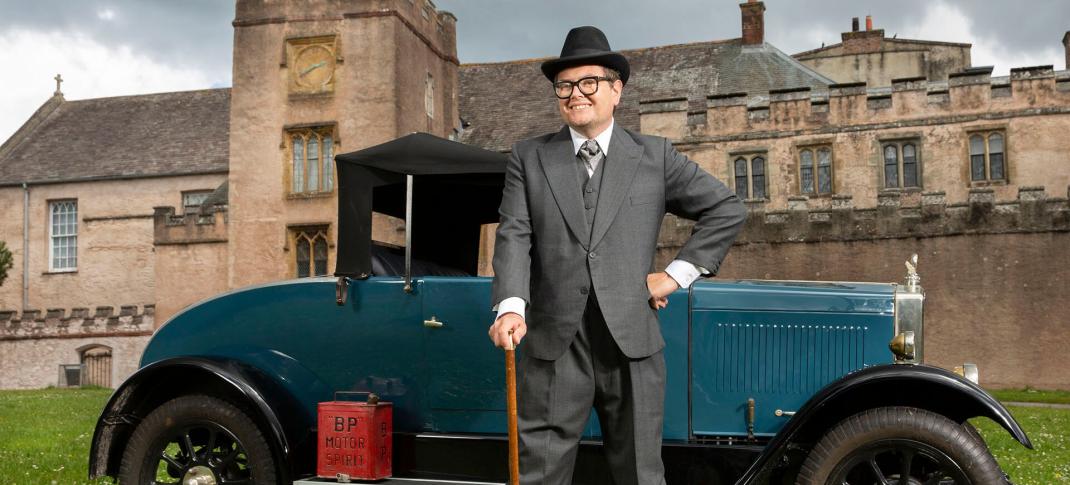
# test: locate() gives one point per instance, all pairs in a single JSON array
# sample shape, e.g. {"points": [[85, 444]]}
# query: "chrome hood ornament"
{"points": [[912, 273]]}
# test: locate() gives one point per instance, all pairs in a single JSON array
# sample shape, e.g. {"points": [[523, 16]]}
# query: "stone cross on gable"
{"points": [[59, 79]]}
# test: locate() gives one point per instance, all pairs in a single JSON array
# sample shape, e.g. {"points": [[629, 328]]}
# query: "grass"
{"points": [[45, 436], [1031, 395]]}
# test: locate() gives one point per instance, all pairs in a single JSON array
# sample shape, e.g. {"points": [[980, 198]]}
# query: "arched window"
{"points": [[298, 164], [312, 160], [806, 171], [988, 156], [310, 251], [901, 164], [995, 156], [891, 166], [741, 178], [824, 171], [758, 176], [977, 157], [749, 174], [910, 165]]}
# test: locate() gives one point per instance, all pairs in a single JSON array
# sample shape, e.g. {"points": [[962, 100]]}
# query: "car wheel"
{"points": [[899, 446], [197, 440]]}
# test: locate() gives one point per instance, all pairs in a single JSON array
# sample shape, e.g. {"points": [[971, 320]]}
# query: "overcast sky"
{"points": [[119, 47]]}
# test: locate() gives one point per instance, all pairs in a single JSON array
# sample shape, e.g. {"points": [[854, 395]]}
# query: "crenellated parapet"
{"points": [[965, 96], [206, 226], [131, 320], [927, 215]]}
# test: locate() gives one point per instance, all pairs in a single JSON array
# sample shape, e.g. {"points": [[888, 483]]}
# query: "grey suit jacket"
{"points": [[542, 252]]}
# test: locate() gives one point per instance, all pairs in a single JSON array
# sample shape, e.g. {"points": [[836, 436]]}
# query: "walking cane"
{"points": [[510, 384]]}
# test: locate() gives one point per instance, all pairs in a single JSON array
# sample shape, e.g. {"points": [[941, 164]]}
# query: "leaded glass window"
{"points": [[310, 251], [757, 175], [987, 156], [824, 171], [742, 187], [749, 175], [901, 164], [63, 235], [312, 160], [806, 171]]}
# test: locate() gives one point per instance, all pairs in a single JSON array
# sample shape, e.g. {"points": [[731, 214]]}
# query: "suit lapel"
{"points": [[617, 177], [558, 162]]}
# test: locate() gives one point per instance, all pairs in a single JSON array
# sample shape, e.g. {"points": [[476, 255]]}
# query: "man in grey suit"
{"points": [[573, 264]]}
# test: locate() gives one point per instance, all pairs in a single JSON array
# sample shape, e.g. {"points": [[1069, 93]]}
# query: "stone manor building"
{"points": [[122, 211]]}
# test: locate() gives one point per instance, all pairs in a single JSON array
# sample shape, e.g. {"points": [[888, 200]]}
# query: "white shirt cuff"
{"points": [[684, 272], [513, 304]]}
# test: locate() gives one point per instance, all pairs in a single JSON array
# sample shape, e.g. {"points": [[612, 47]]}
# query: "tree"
{"points": [[5, 261]]}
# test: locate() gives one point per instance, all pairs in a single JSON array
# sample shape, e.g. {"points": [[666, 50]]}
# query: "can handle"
{"points": [[373, 398]]}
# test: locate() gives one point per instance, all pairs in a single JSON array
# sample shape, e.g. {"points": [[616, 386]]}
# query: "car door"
{"points": [[466, 373]]}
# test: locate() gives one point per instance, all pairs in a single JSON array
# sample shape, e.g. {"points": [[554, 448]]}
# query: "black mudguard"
{"points": [[919, 386], [268, 406]]}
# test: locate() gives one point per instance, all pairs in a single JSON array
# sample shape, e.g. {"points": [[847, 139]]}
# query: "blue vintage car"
{"points": [[768, 381]]}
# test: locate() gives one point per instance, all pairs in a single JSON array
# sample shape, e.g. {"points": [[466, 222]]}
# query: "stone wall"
{"points": [[995, 272], [33, 344]]}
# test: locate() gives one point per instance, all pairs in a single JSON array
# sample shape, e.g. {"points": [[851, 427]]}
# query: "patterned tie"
{"points": [[591, 154]]}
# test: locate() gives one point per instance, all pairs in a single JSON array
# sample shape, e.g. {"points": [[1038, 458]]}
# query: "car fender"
{"points": [[921, 386], [267, 402]]}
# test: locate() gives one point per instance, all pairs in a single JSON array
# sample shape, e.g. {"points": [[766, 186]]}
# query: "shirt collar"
{"points": [[602, 138]]}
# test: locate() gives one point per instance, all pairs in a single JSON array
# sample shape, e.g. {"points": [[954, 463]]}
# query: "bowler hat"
{"points": [[583, 46]]}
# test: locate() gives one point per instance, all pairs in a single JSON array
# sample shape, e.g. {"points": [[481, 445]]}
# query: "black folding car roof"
{"points": [[456, 189]]}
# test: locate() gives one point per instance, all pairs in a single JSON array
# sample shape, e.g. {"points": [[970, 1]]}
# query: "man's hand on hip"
{"points": [[660, 285], [508, 322]]}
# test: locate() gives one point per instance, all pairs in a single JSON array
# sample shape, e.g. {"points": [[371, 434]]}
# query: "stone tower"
{"points": [[313, 78]]}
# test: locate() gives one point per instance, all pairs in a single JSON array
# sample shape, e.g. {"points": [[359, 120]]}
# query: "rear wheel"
{"points": [[197, 440], [899, 446]]}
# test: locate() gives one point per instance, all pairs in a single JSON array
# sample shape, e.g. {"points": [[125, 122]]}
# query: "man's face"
{"points": [[589, 114]]}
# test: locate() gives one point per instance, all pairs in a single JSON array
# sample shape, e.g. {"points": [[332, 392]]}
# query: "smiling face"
{"points": [[589, 115]]}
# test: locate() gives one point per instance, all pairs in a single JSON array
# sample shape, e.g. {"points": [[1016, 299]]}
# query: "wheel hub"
{"points": [[199, 475]]}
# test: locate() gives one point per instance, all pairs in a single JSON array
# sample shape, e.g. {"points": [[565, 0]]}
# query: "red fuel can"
{"points": [[355, 439]]}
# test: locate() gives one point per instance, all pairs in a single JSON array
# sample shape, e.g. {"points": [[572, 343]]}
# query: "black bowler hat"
{"points": [[583, 46]]}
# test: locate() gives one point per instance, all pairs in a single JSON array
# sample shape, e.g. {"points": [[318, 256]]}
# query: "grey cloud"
{"points": [[193, 33]]}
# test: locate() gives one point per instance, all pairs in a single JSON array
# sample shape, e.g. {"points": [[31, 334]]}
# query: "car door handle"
{"points": [[433, 323]]}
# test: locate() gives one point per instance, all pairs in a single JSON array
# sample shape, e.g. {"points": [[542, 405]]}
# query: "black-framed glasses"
{"points": [[587, 85]]}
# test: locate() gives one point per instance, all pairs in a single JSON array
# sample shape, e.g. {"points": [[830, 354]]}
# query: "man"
{"points": [[573, 262]]}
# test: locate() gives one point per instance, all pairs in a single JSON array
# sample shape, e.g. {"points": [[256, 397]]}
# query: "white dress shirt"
{"points": [[683, 272]]}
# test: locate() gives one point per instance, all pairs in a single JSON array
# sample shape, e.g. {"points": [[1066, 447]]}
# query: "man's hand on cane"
{"points": [[660, 285], [504, 325]]}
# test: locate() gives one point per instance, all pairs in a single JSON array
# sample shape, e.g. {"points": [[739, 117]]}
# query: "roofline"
{"points": [[889, 39], [31, 124], [109, 178], [188, 91], [622, 51], [798, 65]]}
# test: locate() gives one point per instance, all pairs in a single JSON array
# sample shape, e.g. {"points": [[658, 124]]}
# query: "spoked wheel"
{"points": [[197, 440], [899, 446], [898, 462]]}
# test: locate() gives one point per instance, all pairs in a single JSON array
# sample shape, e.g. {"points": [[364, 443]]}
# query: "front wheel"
{"points": [[899, 446], [197, 439]]}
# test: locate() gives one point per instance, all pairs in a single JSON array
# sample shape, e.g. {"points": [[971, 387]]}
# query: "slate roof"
{"points": [[175, 133], [505, 102]]}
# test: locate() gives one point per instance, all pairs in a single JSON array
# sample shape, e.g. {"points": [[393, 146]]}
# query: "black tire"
{"points": [[935, 450], [225, 443]]}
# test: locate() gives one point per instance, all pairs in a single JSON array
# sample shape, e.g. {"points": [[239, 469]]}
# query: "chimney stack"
{"points": [[753, 22], [1066, 47], [869, 22], [854, 24]]}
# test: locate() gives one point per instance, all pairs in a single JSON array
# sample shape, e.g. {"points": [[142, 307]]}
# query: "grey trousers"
{"points": [[555, 399]]}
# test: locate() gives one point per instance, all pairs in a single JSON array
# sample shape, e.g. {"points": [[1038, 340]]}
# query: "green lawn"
{"points": [[45, 435], [1031, 395]]}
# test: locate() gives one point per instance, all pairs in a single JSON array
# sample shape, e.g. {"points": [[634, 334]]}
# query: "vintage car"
{"points": [[768, 381]]}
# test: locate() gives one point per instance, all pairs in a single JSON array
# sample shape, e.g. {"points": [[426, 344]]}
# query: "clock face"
{"points": [[313, 68]]}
